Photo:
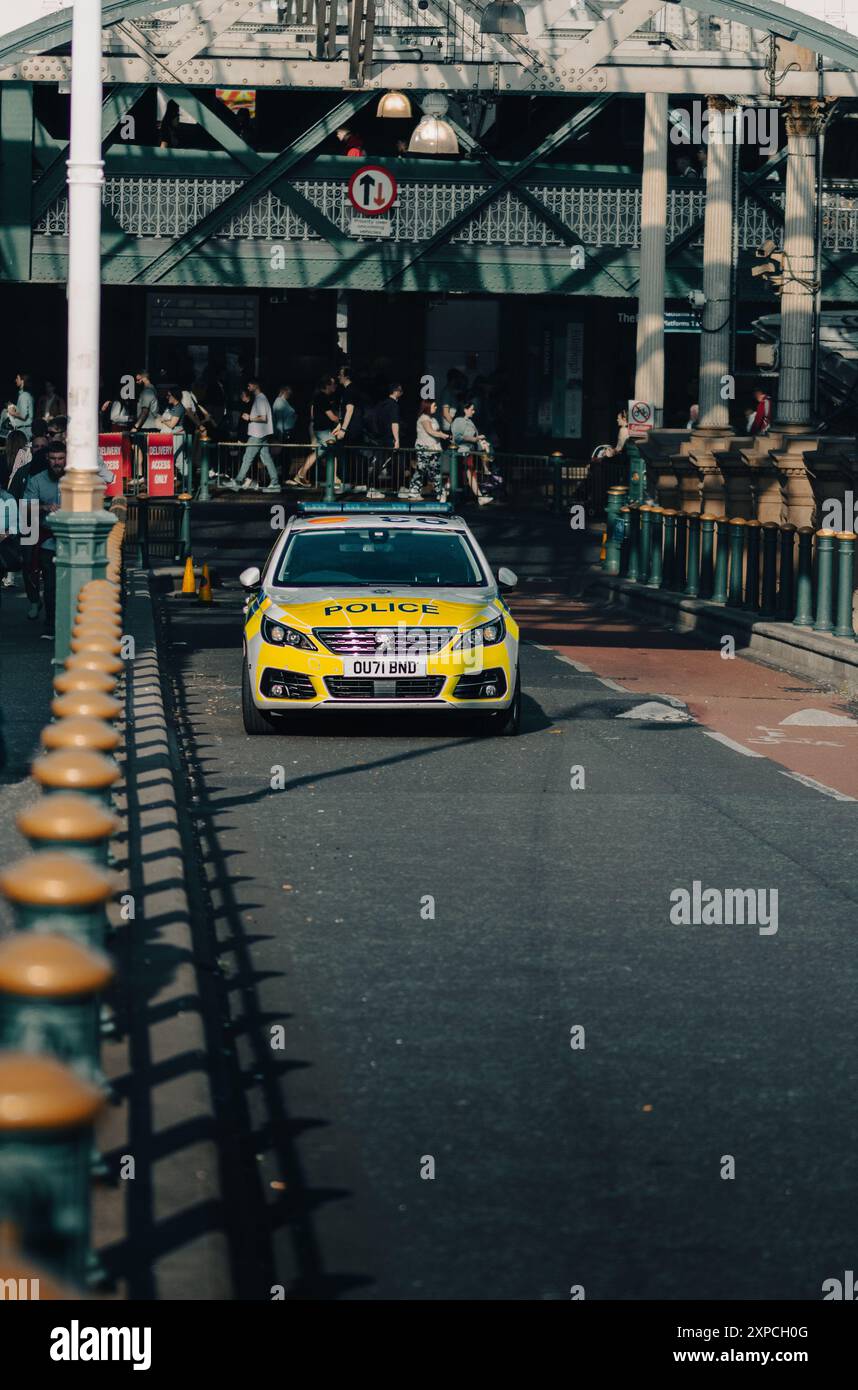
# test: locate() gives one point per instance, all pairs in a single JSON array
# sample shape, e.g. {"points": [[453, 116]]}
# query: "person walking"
{"points": [[284, 415], [44, 490], [429, 444], [323, 421], [349, 429], [174, 421], [260, 430], [470, 445], [385, 422]]}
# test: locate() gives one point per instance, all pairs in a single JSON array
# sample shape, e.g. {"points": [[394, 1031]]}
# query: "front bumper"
{"points": [[289, 679]]}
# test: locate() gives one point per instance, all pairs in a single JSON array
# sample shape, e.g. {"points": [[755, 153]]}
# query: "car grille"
{"points": [[411, 688], [368, 641]]}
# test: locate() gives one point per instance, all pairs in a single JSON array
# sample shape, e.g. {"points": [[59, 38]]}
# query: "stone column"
{"points": [[717, 267], [795, 387], [649, 375]]}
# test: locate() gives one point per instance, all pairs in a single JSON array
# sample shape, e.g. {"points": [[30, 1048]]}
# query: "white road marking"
{"points": [[817, 718], [612, 685], [576, 665], [731, 743], [652, 712], [816, 786]]}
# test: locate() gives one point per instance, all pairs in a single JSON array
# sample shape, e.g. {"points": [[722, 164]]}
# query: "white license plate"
{"points": [[384, 667]]}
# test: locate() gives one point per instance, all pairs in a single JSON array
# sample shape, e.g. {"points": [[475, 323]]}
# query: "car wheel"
{"points": [[256, 721], [510, 720]]}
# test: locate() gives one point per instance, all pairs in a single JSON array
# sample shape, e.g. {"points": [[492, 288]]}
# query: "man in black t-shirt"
{"points": [[384, 430], [350, 428]]}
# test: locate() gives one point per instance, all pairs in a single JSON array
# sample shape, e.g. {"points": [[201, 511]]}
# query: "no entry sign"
{"points": [[160, 465], [372, 190]]}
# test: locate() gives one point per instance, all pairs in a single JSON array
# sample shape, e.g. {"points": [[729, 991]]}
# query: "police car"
{"points": [[362, 606]]}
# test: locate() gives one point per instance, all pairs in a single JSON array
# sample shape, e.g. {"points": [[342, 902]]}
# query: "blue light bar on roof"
{"points": [[377, 508]]}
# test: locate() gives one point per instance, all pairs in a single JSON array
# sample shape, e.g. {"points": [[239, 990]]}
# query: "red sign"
{"points": [[160, 465], [112, 451], [372, 190]]}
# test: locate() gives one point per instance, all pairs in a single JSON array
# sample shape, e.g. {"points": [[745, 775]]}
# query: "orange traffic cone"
{"points": [[205, 594], [189, 583]]}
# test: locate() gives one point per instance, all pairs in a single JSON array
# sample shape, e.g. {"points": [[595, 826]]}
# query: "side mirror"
{"points": [[507, 578], [250, 578]]}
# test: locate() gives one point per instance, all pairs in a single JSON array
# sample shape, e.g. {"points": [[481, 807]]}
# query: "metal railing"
{"points": [[54, 968], [782, 573], [601, 214]]}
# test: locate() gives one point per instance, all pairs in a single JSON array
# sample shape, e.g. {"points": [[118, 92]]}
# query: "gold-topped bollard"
{"points": [[86, 704], [80, 732], [71, 822], [57, 892], [49, 993], [97, 622], [77, 770], [98, 586], [94, 661], [47, 1114], [67, 681], [102, 642]]}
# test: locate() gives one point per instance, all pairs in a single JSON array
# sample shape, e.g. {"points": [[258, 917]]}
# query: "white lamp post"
{"points": [[81, 526]]}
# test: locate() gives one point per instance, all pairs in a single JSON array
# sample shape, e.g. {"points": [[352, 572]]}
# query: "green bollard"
{"points": [[47, 1115], [623, 525], [692, 574], [185, 529], [656, 560], [634, 560], [613, 531], [845, 577], [786, 594], [738, 534], [752, 566], [707, 553], [205, 470], [681, 551], [804, 581], [55, 892], [668, 580], [645, 548], [719, 582], [768, 607], [330, 474], [824, 574], [637, 472]]}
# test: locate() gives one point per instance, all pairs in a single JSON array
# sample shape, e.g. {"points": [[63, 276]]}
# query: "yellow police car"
{"points": [[362, 606]]}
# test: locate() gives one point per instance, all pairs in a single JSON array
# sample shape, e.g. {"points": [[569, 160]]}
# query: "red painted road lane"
{"points": [[738, 698]]}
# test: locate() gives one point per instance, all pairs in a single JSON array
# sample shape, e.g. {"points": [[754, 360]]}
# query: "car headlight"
{"points": [[282, 636], [486, 635]]}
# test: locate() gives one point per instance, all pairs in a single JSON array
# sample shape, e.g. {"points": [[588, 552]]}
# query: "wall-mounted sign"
{"points": [[372, 190], [371, 226], [640, 417]]}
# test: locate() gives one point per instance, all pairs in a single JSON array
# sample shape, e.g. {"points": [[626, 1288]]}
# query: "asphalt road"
{"points": [[409, 1036]]}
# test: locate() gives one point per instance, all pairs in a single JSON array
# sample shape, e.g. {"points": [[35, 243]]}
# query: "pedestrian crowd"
{"points": [[371, 436]]}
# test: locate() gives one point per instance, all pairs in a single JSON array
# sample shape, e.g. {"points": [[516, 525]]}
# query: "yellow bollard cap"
{"points": [[846, 536], [84, 680], [93, 661], [99, 586], [73, 769], [96, 642], [40, 1093], [50, 878], [86, 704], [80, 732], [98, 603], [51, 966], [738, 521], [66, 816]]}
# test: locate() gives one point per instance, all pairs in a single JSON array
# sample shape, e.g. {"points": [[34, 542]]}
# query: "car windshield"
{"points": [[377, 556]]}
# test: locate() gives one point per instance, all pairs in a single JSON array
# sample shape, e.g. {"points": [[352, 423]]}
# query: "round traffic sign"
{"points": [[372, 190]]}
